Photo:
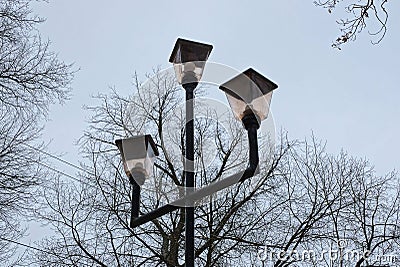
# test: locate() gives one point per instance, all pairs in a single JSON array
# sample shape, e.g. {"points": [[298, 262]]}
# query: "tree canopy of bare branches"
{"points": [[304, 198], [31, 78], [371, 14]]}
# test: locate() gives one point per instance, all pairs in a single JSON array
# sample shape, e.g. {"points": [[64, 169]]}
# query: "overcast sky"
{"points": [[348, 98]]}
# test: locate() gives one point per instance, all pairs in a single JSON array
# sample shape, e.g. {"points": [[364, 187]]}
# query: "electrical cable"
{"points": [[34, 248], [59, 159]]}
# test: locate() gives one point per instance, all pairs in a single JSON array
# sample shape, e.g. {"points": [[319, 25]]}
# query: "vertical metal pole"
{"points": [[253, 147], [135, 205], [136, 179], [189, 175]]}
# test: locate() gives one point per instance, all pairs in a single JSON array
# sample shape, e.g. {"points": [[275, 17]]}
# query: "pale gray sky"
{"points": [[348, 97]]}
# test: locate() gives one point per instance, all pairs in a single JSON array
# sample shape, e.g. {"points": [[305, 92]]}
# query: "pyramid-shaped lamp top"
{"points": [[249, 92]]}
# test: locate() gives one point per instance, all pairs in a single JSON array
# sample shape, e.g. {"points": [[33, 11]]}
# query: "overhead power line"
{"points": [[59, 159], [36, 248], [65, 174]]}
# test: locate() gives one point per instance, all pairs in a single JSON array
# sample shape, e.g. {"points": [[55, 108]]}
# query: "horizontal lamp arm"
{"points": [[214, 187], [152, 215]]}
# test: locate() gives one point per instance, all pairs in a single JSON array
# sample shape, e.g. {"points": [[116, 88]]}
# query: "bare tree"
{"points": [[92, 217], [31, 78], [301, 200], [369, 227], [337, 213], [362, 15]]}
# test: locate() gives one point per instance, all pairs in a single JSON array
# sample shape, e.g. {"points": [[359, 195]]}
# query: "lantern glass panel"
{"points": [[259, 106], [189, 71]]}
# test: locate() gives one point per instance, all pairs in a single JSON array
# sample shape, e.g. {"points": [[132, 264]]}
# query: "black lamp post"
{"points": [[249, 95], [189, 59]]}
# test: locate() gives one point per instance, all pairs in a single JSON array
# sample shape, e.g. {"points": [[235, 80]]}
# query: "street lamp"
{"points": [[249, 95], [249, 92], [189, 60], [137, 154]]}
